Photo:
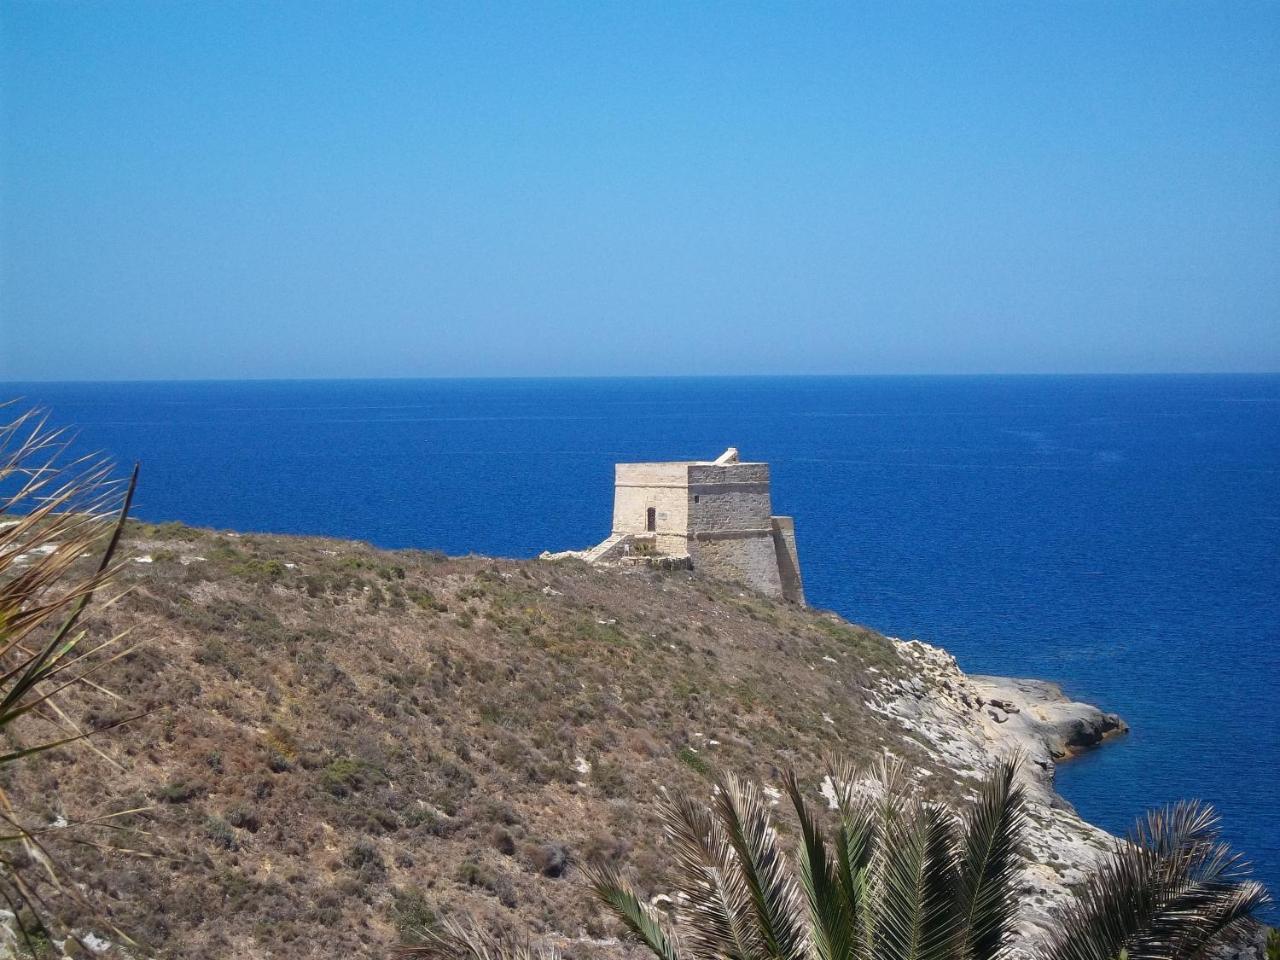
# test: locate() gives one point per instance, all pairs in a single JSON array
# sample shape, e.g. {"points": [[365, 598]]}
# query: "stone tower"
{"points": [[717, 513]]}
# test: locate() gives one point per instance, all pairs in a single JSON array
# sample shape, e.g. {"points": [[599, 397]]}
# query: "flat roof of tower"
{"points": [[727, 459], [690, 463]]}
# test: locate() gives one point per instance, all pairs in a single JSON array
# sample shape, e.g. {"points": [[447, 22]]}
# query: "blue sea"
{"points": [[1120, 535]]}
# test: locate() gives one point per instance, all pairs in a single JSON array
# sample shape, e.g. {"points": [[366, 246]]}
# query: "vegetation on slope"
{"points": [[60, 522], [889, 877], [343, 741]]}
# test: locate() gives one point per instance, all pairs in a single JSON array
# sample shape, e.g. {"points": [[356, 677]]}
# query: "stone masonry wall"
{"points": [[730, 534], [784, 546], [663, 486], [728, 497], [749, 559], [720, 515]]}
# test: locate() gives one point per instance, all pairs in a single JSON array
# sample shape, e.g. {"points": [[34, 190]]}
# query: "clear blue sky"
{"points": [[370, 189]]}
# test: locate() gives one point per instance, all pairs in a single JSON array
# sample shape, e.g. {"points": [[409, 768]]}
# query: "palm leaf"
{"points": [[1170, 892], [761, 866], [639, 918], [830, 915], [917, 917], [714, 902], [454, 940], [63, 509], [993, 829]]}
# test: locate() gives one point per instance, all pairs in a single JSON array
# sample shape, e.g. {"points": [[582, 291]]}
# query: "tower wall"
{"points": [[747, 558], [784, 546], [719, 514], [662, 486], [730, 534], [728, 497]]}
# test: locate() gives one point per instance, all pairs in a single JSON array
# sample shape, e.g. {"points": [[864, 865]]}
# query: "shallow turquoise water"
{"points": [[1120, 535]]}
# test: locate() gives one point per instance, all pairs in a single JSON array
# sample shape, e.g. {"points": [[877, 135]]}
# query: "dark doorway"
{"points": [[651, 519]]}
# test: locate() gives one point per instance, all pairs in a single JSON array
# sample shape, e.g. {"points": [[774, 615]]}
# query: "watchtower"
{"points": [[718, 513]]}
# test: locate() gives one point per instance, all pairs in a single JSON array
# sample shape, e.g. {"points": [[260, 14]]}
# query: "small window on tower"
{"points": [[696, 498], [651, 519]]}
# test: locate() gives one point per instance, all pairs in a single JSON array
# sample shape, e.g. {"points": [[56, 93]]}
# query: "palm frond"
{"points": [[918, 907], [639, 918], [1169, 892], [830, 910], [762, 867], [858, 848], [903, 879], [992, 834], [454, 940], [1233, 914], [714, 902], [56, 510]]}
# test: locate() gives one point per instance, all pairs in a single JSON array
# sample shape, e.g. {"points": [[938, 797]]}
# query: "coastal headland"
{"points": [[338, 742]]}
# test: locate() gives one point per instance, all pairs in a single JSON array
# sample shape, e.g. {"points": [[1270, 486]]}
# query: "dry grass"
{"points": [[61, 518], [339, 737]]}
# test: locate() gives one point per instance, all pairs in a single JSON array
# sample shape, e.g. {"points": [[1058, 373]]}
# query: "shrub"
{"points": [[549, 859], [426, 600], [259, 571], [476, 874], [609, 778], [245, 819], [179, 791], [345, 776], [364, 858], [690, 758], [501, 840], [220, 832], [411, 914]]}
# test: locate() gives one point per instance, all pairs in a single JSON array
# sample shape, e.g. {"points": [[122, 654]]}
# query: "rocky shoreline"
{"points": [[1039, 710], [969, 720]]}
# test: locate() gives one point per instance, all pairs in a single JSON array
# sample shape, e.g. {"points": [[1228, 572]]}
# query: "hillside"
{"points": [[341, 740]]}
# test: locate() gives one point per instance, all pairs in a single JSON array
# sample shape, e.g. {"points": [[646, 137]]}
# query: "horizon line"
{"points": [[654, 376]]}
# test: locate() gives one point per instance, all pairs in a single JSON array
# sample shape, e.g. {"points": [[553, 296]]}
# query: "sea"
{"points": [[1117, 534]]}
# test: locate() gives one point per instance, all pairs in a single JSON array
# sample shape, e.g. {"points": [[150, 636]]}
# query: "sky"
{"points": [[382, 189]]}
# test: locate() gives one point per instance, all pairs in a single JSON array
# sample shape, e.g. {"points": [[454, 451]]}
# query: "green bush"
{"points": [[426, 600], [690, 759], [179, 791], [345, 776], [220, 832], [411, 914]]}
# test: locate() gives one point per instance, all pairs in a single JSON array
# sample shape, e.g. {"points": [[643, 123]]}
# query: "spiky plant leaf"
{"points": [[760, 863], [992, 833], [830, 918], [714, 902], [858, 847], [639, 918], [455, 940], [918, 916], [905, 880], [1170, 892], [56, 509]]}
